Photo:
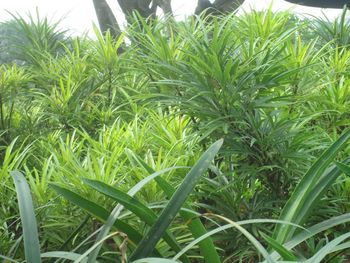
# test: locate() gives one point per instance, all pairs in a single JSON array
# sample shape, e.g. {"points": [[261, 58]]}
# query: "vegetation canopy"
{"points": [[220, 138]]}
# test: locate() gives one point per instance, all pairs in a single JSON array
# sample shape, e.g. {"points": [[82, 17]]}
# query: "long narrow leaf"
{"points": [[327, 249], [97, 211], [225, 227], [284, 252], [62, 255], [149, 242], [155, 260], [344, 168], [133, 205], [206, 245], [296, 208], [29, 225], [314, 230]]}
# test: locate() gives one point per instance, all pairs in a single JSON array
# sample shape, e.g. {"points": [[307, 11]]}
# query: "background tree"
{"points": [[218, 6], [106, 18], [148, 9]]}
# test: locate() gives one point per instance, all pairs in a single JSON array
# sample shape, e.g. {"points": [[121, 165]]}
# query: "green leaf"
{"points": [[314, 230], [146, 214], [327, 249], [206, 246], [97, 211], [345, 169], [82, 257], [303, 198], [29, 226], [155, 260], [133, 205], [8, 259], [150, 240], [62, 255], [285, 253], [234, 225]]}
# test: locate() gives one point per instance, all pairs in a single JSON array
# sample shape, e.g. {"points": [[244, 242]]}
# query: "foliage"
{"points": [[113, 132]]}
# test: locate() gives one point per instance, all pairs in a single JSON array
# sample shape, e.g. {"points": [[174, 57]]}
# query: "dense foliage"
{"points": [[123, 151]]}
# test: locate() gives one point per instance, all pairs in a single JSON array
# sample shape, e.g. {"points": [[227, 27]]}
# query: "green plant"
{"points": [[34, 39], [13, 81], [336, 32], [263, 81], [29, 225], [31, 243]]}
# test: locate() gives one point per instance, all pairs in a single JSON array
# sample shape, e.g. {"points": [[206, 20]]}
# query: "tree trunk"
{"points": [[106, 18], [219, 6], [165, 5], [146, 8]]}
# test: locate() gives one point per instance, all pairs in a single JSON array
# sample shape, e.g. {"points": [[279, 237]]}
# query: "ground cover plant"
{"points": [[215, 139]]}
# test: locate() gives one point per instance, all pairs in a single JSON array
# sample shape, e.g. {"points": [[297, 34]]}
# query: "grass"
{"points": [[95, 140]]}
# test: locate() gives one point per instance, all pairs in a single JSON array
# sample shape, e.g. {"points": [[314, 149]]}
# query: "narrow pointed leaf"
{"points": [[146, 214], [148, 243], [29, 225], [285, 253], [206, 246], [297, 206], [97, 211], [345, 168], [327, 249]]}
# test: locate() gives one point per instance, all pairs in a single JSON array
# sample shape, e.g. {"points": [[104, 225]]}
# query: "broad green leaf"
{"points": [[29, 226]]}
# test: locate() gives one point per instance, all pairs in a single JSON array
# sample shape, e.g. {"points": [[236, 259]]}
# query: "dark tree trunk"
{"points": [[146, 8], [106, 18], [219, 6], [322, 3], [165, 5]]}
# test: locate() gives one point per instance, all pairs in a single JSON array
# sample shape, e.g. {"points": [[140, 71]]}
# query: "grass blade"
{"points": [[149, 242], [29, 225], [7, 259]]}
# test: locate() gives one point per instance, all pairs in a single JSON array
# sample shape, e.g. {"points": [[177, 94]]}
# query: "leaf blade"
{"points": [[29, 225]]}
